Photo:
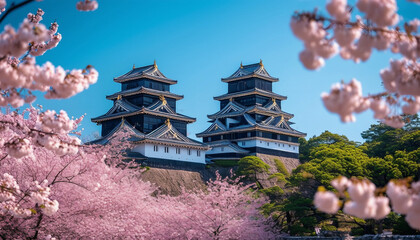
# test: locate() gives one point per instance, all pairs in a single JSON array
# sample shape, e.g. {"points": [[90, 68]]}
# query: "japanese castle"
{"points": [[251, 120], [146, 109]]}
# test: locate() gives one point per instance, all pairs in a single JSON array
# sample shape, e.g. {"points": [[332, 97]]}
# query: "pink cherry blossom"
{"points": [[326, 202], [341, 183], [412, 106], [87, 5], [381, 12], [380, 108], [401, 198], [345, 99], [310, 60], [338, 9], [346, 36]]}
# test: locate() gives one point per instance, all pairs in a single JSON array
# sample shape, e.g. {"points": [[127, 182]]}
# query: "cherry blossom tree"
{"points": [[225, 210], [354, 38], [25, 195], [53, 186]]}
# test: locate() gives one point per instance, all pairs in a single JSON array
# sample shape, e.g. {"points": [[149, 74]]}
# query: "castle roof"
{"points": [[122, 108], [277, 124], [163, 134], [150, 72], [142, 89], [248, 92], [251, 70], [233, 109], [124, 128]]}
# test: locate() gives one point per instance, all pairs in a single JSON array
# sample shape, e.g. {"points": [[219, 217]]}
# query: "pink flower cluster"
{"points": [[16, 43], [54, 80], [40, 196], [363, 203], [402, 77], [2, 6], [47, 129], [381, 12], [21, 77], [345, 99], [87, 5], [317, 47], [12, 198], [323, 37], [338, 9], [405, 201]]}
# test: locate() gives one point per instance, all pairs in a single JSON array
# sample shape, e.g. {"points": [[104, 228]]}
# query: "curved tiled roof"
{"points": [[251, 70], [248, 92], [150, 71], [142, 89]]}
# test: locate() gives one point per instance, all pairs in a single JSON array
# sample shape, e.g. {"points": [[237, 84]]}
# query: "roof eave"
{"points": [[239, 94], [229, 79], [167, 80], [146, 91]]}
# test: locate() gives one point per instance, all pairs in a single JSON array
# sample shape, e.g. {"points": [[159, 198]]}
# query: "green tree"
{"points": [[382, 140], [325, 138], [251, 165], [328, 161]]}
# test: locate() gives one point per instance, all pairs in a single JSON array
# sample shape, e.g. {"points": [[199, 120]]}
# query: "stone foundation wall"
{"points": [[289, 163]]}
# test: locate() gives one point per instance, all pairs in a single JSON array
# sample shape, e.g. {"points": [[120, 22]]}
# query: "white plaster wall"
{"points": [[287, 147], [148, 151], [224, 149]]}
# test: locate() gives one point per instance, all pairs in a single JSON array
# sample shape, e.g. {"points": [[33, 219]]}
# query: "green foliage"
{"points": [[401, 227], [382, 140], [326, 137], [273, 192], [381, 171], [357, 232], [387, 154], [329, 161], [281, 168], [249, 166], [301, 215], [279, 177], [329, 228]]}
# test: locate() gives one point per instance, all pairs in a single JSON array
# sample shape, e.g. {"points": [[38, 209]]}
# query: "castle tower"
{"points": [[147, 109], [251, 120]]}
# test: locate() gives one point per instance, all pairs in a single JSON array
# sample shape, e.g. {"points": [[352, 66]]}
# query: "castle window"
{"points": [[289, 138], [268, 144], [243, 143], [222, 149], [198, 153], [294, 148], [289, 145], [248, 134], [155, 148], [166, 149], [178, 150], [189, 151], [209, 139]]}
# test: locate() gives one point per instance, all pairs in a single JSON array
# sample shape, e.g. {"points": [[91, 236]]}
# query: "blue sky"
{"points": [[198, 42]]}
